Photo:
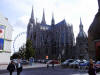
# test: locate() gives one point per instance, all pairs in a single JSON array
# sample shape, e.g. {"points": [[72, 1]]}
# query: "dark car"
{"points": [[97, 66], [53, 62], [24, 62]]}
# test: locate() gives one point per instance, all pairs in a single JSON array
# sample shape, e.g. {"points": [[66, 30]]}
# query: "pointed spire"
{"points": [[32, 13], [43, 18], [36, 20], [32, 17], [80, 21], [81, 25], [99, 5], [52, 21]]}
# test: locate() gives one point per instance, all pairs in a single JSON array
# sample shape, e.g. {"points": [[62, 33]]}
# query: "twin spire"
{"points": [[32, 14], [43, 18]]}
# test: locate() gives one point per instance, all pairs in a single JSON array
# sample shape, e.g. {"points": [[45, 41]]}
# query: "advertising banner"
{"points": [[1, 43], [2, 31], [2, 28]]}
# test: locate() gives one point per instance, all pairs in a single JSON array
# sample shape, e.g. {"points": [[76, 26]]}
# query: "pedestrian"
{"points": [[91, 70], [53, 64], [31, 61], [19, 67], [47, 65], [11, 67]]}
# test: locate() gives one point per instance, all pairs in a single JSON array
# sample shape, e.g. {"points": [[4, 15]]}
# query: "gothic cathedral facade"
{"points": [[54, 41]]}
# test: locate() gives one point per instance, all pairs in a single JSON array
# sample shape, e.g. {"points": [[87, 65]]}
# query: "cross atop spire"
{"points": [[43, 18], [99, 4]]}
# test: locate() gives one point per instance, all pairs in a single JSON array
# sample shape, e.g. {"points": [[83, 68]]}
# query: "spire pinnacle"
{"points": [[32, 13], [32, 17], [81, 25], [43, 18], [80, 21], [52, 21]]}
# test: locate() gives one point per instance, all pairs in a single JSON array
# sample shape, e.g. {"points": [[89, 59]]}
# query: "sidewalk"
{"points": [[3, 68]]}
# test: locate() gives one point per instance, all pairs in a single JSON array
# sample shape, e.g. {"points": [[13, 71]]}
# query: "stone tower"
{"points": [[81, 43]]}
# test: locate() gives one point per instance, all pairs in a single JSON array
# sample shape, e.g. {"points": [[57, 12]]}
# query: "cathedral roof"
{"points": [[63, 22]]}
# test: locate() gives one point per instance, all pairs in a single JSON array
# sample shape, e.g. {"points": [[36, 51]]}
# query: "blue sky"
{"points": [[18, 12]]}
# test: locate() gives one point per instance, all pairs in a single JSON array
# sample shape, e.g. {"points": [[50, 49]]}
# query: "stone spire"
{"points": [[43, 18], [32, 13], [99, 4], [32, 17], [81, 25], [81, 32], [52, 21]]}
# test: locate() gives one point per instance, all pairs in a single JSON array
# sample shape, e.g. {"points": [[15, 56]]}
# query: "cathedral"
{"points": [[54, 40]]}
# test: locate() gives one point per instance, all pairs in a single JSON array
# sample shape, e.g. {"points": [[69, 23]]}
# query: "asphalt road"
{"points": [[49, 71]]}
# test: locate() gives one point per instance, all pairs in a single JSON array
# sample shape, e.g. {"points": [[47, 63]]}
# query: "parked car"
{"points": [[74, 64], [97, 66], [84, 63], [53, 62], [24, 62], [66, 62]]}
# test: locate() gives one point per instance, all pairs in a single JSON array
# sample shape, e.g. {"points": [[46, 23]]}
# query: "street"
{"points": [[50, 71]]}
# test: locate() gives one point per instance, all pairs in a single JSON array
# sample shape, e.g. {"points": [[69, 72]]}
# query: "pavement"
{"points": [[3, 68], [38, 67]]}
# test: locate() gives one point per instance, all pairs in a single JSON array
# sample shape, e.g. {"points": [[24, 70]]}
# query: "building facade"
{"points": [[54, 40], [94, 35], [5, 40]]}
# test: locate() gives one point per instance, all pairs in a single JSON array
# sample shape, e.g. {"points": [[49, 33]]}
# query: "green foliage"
{"points": [[20, 53], [14, 56], [25, 51], [30, 51]]}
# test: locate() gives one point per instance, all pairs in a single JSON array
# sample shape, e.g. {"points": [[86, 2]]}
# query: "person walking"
{"points": [[53, 62], [19, 67], [47, 65], [91, 70], [31, 61], [11, 67]]}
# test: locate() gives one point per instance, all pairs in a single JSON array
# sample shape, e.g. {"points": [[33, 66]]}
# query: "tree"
{"points": [[14, 56], [30, 51], [20, 53]]}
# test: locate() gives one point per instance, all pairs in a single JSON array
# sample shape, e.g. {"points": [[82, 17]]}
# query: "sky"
{"points": [[18, 13]]}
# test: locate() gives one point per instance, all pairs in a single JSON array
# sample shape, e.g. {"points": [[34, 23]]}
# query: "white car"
{"points": [[74, 63], [66, 62]]}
